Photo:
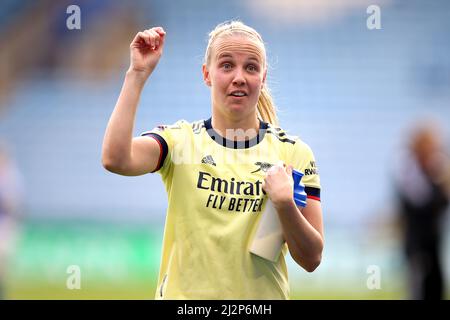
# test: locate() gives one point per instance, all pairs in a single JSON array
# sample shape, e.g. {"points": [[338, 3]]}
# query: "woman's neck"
{"points": [[236, 129]]}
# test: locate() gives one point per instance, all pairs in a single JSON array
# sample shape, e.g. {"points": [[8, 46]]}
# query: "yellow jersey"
{"points": [[215, 200]]}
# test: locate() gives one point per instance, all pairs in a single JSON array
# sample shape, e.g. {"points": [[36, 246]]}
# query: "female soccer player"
{"points": [[216, 173]]}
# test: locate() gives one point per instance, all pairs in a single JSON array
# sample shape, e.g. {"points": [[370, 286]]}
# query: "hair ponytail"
{"points": [[266, 107]]}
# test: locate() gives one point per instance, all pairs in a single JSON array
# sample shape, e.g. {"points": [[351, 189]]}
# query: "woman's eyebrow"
{"points": [[255, 59], [224, 55]]}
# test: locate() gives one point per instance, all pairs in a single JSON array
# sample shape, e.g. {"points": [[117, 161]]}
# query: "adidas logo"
{"points": [[208, 160]]}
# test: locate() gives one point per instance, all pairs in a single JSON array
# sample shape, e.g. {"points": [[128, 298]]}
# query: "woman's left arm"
{"points": [[303, 232], [302, 228]]}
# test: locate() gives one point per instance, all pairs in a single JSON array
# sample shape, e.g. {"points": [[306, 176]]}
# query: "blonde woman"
{"points": [[216, 173]]}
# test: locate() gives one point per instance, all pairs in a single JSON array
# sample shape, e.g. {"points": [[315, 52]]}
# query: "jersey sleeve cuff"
{"points": [[163, 148], [312, 193]]}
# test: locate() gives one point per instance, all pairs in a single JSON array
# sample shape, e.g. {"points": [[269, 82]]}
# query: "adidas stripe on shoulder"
{"points": [[197, 126], [281, 135]]}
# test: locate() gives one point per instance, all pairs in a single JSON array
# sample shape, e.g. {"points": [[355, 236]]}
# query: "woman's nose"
{"points": [[239, 78]]}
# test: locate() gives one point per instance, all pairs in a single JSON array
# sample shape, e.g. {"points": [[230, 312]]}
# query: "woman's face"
{"points": [[236, 74]]}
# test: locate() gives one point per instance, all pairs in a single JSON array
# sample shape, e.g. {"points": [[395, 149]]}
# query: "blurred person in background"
{"points": [[423, 190], [10, 208], [205, 248]]}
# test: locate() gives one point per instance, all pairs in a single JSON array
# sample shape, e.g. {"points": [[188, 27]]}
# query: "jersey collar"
{"points": [[233, 144]]}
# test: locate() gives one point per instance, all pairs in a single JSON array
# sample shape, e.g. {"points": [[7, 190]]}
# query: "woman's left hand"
{"points": [[279, 185]]}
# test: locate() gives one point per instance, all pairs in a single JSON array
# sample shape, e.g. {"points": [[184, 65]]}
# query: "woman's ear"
{"points": [[206, 78]]}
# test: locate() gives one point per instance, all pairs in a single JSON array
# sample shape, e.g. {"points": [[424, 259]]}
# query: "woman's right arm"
{"points": [[121, 153]]}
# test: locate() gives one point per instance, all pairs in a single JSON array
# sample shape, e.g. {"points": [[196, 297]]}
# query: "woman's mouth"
{"points": [[238, 93]]}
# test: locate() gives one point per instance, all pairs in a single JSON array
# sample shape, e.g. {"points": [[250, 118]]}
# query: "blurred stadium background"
{"points": [[350, 92]]}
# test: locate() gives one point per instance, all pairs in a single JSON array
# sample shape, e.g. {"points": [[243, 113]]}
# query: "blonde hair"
{"points": [[265, 106]]}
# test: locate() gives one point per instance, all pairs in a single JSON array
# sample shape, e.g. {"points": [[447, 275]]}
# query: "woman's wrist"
{"points": [[284, 204], [137, 77]]}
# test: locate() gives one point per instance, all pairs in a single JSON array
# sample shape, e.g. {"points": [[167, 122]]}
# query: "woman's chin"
{"points": [[237, 107]]}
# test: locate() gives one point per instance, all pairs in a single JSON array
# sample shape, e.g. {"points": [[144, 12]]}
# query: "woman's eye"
{"points": [[252, 68], [226, 66]]}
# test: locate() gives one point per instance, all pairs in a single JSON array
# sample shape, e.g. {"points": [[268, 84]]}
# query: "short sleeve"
{"points": [[303, 160], [164, 136]]}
